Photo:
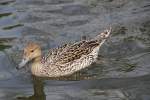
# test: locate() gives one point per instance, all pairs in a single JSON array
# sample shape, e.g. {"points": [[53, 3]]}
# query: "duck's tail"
{"points": [[103, 36]]}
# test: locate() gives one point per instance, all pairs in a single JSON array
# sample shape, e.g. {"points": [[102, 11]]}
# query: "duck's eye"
{"points": [[32, 50]]}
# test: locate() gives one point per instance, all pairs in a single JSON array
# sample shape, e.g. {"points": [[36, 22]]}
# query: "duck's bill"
{"points": [[23, 63]]}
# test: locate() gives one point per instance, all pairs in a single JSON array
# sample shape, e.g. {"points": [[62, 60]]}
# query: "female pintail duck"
{"points": [[64, 60]]}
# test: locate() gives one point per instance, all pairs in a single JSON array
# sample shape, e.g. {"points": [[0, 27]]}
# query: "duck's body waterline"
{"points": [[64, 60]]}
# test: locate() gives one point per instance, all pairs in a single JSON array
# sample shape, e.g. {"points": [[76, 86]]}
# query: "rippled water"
{"points": [[122, 70]]}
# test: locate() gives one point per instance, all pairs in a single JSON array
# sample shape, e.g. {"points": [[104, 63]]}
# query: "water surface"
{"points": [[122, 70]]}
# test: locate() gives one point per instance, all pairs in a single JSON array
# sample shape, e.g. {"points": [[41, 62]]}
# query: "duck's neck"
{"points": [[36, 66], [37, 59]]}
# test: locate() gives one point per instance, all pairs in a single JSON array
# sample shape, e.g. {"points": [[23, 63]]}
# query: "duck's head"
{"points": [[30, 52]]}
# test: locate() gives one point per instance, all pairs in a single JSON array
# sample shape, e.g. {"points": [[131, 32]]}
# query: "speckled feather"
{"points": [[66, 59], [69, 58]]}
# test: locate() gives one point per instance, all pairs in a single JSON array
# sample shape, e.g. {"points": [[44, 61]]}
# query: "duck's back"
{"points": [[76, 51], [70, 58]]}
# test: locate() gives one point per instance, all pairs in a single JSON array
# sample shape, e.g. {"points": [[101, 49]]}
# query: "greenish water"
{"points": [[5, 15], [2, 47], [6, 2], [12, 26]]}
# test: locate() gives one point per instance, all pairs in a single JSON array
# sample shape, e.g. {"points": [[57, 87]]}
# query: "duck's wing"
{"points": [[53, 53], [76, 51]]}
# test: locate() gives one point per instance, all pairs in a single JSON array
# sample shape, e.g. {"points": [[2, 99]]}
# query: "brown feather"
{"points": [[76, 51]]}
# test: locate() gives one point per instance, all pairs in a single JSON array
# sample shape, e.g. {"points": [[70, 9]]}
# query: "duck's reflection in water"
{"points": [[38, 88], [38, 85], [108, 88]]}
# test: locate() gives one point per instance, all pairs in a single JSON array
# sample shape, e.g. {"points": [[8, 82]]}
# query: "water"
{"points": [[122, 70]]}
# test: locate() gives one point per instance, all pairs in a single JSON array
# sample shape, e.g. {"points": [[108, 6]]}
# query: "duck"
{"points": [[63, 60]]}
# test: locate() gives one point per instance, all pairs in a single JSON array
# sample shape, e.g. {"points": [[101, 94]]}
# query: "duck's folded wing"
{"points": [[76, 51]]}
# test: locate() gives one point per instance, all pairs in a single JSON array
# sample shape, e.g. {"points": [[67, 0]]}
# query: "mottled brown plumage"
{"points": [[75, 51], [65, 59]]}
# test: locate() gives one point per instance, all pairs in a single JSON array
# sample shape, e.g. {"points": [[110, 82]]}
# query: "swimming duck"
{"points": [[64, 60]]}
